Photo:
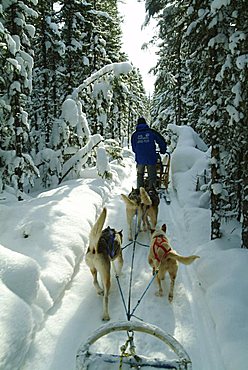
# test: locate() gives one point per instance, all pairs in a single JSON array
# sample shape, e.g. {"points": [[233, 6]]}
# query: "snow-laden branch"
{"points": [[81, 156], [116, 68], [73, 115]]}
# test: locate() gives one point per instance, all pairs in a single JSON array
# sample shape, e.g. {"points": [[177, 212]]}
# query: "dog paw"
{"points": [[100, 292], [159, 294], [106, 317], [170, 298]]}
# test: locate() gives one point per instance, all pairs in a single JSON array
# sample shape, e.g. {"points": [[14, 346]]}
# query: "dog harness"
{"points": [[159, 244], [110, 247]]}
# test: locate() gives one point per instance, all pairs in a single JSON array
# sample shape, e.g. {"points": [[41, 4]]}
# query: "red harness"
{"points": [[159, 244]]}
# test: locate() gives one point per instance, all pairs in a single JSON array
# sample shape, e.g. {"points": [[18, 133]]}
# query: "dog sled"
{"points": [[87, 359], [163, 176]]}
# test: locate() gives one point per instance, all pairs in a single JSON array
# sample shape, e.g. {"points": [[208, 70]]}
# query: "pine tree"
{"points": [[239, 43], [170, 69], [75, 32], [211, 91], [7, 63], [46, 94], [17, 83], [105, 48], [73, 41], [220, 117]]}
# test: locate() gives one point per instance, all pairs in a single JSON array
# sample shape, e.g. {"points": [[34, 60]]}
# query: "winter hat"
{"points": [[141, 120]]}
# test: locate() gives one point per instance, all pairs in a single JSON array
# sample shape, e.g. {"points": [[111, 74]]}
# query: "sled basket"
{"points": [[87, 360], [163, 170]]}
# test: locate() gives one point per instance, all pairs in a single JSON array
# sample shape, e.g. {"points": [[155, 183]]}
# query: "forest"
{"points": [[67, 88]]}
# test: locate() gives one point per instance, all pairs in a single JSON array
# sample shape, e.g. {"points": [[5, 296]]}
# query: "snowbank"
{"points": [[43, 240], [226, 301], [189, 161]]}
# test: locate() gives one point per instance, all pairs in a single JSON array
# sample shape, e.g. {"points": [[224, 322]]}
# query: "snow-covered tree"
{"points": [[47, 75], [75, 32], [239, 50], [201, 79], [17, 166], [169, 104], [220, 119], [74, 117]]}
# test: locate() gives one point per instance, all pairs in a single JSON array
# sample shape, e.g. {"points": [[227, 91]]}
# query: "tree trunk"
{"points": [[245, 203], [215, 196]]}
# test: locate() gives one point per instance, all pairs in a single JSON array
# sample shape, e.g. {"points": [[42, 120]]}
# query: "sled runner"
{"points": [[128, 358], [163, 170], [164, 193]]}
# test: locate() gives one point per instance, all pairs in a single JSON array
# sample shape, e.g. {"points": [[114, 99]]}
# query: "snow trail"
{"points": [[71, 321], [203, 326]]}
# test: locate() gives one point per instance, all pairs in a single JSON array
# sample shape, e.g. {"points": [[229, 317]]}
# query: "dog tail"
{"points": [[96, 230], [185, 260], [130, 203], [145, 199]]}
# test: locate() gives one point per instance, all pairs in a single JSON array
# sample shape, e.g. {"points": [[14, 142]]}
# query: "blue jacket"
{"points": [[144, 141]]}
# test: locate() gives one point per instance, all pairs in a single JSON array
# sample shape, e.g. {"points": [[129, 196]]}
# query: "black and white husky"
{"points": [[104, 247]]}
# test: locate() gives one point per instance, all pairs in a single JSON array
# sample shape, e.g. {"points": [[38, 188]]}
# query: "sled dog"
{"points": [[135, 201], [163, 258], [104, 247], [150, 212]]}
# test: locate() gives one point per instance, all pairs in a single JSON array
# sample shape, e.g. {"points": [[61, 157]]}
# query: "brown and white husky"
{"points": [[144, 204], [134, 202], [163, 258], [150, 212]]}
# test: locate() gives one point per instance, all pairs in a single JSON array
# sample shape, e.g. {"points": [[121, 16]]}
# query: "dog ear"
{"points": [[163, 228], [120, 233]]}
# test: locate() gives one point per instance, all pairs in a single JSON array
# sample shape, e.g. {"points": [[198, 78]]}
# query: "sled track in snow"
{"points": [[202, 320]]}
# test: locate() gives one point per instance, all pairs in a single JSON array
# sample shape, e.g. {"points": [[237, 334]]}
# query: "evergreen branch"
{"points": [[113, 67]]}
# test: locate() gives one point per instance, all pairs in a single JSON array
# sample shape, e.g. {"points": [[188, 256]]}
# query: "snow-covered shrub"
{"points": [[114, 150], [102, 165]]}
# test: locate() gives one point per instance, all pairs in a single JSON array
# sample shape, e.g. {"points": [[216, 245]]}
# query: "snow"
{"points": [[102, 162], [242, 61], [217, 4], [121, 68], [70, 112], [116, 68], [233, 113], [31, 30], [82, 154], [235, 38], [49, 306]]}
